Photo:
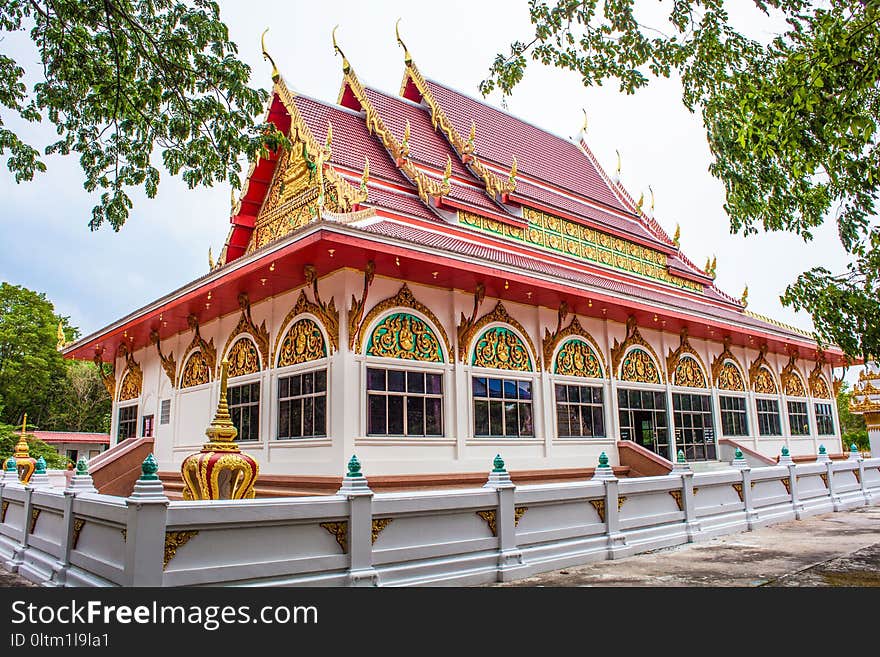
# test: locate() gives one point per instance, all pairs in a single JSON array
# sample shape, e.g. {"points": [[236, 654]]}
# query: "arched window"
{"points": [[639, 367]]}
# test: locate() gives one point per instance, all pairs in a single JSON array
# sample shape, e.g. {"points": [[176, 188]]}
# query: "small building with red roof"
{"points": [[74, 444]]}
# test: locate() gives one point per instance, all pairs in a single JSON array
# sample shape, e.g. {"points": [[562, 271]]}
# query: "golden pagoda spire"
{"points": [[21, 448], [275, 74], [221, 429], [62, 341]]}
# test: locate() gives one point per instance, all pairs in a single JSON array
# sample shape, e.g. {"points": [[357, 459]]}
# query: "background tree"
{"points": [[791, 125], [120, 79], [57, 394]]}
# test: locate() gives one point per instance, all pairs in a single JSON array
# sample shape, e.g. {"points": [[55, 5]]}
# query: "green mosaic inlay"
{"points": [[570, 238]]}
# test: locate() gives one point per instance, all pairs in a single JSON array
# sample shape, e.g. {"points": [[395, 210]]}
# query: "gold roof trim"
{"points": [[464, 147], [787, 327]]}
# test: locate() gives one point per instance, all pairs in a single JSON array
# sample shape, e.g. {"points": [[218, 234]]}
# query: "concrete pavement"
{"points": [[833, 549]]}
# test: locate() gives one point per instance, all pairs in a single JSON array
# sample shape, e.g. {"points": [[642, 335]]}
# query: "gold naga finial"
{"points": [[744, 299], [62, 341], [346, 67], [651, 189], [617, 171], [366, 175], [404, 145], [275, 74], [714, 264], [676, 239], [641, 201], [473, 135], [447, 172], [407, 58], [329, 140], [584, 126], [708, 267], [511, 179]]}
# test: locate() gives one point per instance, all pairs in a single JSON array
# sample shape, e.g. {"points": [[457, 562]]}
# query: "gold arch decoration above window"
{"points": [[133, 379], [500, 348], [246, 325], [196, 370], [818, 386], [577, 358], [302, 343], [684, 366], [200, 360], [760, 374], [639, 367], [644, 368], [792, 382], [243, 357], [498, 315], [321, 312], [403, 299], [402, 335], [726, 370], [579, 350]]}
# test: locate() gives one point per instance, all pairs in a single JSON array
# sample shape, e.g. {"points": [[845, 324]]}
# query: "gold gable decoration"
{"points": [[500, 315], [426, 186], [818, 387], [495, 186], [201, 358], [500, 348], [792, 383], [246, 324], [760, 376], [133, 379], [302, 343], [303, 183], [402, 335], [642, 364], [726, 370], [356, 311], [403, 299], [168, 362], [243, 357], [684, 367]]}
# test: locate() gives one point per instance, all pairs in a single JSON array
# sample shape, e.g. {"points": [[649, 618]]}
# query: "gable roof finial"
{"points": [[275, 74], [407, 58], [584, 126], [346, 67]]}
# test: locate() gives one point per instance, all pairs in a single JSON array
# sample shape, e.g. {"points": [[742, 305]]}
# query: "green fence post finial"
{"points": [[603, 460], [10, 464], [149, 468], [354, 467], [681, 457], [498, 462], [82, 466], [40, 466], [821, 449], [853, 448], [738, 453], [784, 450]]}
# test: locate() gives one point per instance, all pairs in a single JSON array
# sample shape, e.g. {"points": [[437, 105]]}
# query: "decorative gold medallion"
{"points": [[405, 336], [302, 343]]}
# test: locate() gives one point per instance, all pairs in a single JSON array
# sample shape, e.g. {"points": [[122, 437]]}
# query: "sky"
{"points": [[97, 277]]}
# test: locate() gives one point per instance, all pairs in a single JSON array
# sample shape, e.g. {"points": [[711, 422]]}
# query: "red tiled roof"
{"points": [[539, 154], [407, 204], [72, 437], [489, 253]]}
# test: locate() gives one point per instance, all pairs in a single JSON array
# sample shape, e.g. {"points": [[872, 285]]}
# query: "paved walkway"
{"points": [[833, 549]]}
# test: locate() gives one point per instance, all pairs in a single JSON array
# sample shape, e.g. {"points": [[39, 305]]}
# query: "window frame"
{"points": [[712, 413], [830, 416], [747, 417], [248, 380], [509, 375], [775, 400], [402, 366], [299, 369], [643, 387], [581, 382], [120, 406], [806, 414]]}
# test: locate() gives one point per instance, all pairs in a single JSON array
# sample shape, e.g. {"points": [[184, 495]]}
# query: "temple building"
{"points": [[426, 281]]}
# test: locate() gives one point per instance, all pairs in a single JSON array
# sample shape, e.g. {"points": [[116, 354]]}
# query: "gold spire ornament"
{"points": [[275, 74], [676, 239], [24, 462], [62, 341], [714, 265], [221, 471], [744, 299]]}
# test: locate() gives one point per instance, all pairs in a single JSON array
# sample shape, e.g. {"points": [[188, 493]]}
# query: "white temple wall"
{"points": [[457, 450]]}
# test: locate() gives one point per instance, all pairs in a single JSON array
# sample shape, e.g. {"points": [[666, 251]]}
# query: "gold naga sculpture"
{"points": [[220, 471]]}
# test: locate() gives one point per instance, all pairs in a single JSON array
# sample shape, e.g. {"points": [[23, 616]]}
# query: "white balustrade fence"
{"points": [[500, 532]]}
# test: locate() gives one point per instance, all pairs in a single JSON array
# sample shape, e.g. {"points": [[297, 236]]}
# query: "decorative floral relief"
{"points": [[729, 378], [243, 358], [196, 371], [302, 343], [502, 349], [402, 335], [638, 367], [688, 373], [576, 358], [763, 382]]}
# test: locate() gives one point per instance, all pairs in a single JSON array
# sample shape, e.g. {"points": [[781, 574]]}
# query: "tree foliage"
{"points": [[120, 79], [57, 395], [792, 124], [852, 425]]}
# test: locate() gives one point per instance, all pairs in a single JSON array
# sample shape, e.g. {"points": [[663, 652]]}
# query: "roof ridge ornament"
{"points": [[407, 58], [275, 74], [346, 66]]}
